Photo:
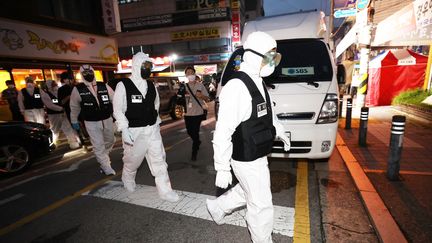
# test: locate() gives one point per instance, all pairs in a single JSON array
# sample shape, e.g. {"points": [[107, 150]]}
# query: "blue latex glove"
{"points": [[76, 126]]}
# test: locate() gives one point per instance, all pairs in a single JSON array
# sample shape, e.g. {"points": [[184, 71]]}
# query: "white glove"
{"points": [[223, 179], [127, 137], [286, 140]]}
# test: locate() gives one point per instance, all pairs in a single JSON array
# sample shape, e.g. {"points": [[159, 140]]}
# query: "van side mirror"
{"points": [[340, 74]]}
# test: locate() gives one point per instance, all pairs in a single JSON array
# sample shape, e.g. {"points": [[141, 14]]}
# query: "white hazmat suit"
{"points": [[35, 114], [58, 122], [141, 141], [101, 132], [253, 189]]}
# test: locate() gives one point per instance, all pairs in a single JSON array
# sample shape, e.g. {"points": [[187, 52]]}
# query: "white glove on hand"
{"points": [[223, 179], [127, 137], [286, 140]]}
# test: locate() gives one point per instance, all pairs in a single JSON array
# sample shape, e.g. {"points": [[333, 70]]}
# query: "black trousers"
{"points": [[193, 124], [16, 113]]}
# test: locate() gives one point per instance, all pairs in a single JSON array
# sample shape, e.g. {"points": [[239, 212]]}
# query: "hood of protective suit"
{"points": [[86, 67], [137, 60], [259, 42], [49, 84]]}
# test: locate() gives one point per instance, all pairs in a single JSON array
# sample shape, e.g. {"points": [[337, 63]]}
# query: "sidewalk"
{"points": [[409, 200]]}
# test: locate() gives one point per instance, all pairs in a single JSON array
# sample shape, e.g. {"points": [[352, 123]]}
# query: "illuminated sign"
{"points": [[196, 34]]}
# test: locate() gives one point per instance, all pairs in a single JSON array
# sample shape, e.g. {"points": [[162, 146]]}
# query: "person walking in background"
{"points": [[195, 97], [30, 102], [56, 115], [136, 109], [64, 92], [243, 138], [11, 96], [92, 100]]}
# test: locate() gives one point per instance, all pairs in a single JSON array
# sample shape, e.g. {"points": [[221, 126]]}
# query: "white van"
{"points": [[304, 85]]}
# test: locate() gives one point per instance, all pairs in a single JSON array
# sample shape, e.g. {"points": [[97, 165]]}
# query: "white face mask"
{"points": [[267, 70], [191, 77]]}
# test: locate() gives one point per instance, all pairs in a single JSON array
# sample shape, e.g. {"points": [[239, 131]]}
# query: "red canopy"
{"points": [[392, 72]]}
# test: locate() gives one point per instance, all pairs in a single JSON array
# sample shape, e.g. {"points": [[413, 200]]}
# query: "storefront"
{"points": [[44, 53]]}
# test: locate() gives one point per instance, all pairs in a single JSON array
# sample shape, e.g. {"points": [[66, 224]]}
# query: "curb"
{"points": [[384, 224]]}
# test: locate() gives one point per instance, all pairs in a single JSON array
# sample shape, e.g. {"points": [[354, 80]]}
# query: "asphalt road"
{"points": [[68, 200]]}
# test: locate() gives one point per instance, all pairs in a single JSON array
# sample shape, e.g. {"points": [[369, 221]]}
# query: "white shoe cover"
{"points": [[170, 196], [215, 211], [107, 170], [74, 145], [130, 186]]}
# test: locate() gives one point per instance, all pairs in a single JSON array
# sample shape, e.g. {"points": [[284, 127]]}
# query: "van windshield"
{"points": [[302, 60]]}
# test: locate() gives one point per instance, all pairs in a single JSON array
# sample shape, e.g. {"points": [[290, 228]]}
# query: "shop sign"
{"points": [[343, 13], [412, 25], [31, 41], [196, 34], [212, 13], [146, 21], [362, 4], [111, 16], [235, 33], [205, 69], [182, 5]]}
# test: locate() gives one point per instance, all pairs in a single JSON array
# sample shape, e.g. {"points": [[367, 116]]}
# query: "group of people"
{"points": [[28, 104], [243, 138]]}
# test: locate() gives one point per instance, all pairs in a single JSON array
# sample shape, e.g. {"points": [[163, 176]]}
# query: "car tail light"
{"points": [[329, 110]]}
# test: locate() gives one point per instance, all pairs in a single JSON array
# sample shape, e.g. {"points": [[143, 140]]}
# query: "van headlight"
{"points": [[329, 110]]}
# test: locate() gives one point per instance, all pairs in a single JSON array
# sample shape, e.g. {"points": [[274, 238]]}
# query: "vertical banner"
{"points": [[236, 23], [111, 16]]}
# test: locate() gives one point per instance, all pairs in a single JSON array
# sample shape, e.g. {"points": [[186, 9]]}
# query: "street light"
{"points": [[172, 59]]}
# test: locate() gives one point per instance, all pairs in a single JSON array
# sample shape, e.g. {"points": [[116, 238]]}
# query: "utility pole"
{"points": [[365, 20], [331, 19]]}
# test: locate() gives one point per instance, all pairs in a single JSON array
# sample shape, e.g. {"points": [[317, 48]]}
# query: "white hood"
{"points": [[84, 67], [137, 60], [261, 43]]}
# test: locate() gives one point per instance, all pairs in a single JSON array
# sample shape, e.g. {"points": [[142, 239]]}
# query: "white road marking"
{"points": [[13, 198], [190, 204]]}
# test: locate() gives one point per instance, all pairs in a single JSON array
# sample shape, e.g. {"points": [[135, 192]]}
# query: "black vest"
{"points": [[32, 102], [140, 112], [90, 109], [55, 101], [254, 137]]}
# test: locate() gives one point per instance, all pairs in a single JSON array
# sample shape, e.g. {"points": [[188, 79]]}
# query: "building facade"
{"points": [[179, 33]]}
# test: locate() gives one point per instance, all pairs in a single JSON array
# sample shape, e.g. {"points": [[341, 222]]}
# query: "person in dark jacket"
{"points": [[11, 96]]}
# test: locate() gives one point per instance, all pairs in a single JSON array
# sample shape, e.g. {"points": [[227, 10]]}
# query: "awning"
{"points": [[349, 39]]}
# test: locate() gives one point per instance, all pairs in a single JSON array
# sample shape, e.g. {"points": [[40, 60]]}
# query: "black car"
{"points": [[21, 143]]}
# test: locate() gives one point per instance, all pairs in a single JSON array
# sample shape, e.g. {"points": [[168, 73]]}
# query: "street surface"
{"points": [[68, 200]]}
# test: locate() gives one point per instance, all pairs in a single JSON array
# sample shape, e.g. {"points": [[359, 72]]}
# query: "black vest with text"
{"points": [[90, 109], [32, 102], [140, 112], [55, 101], [254, 137]]}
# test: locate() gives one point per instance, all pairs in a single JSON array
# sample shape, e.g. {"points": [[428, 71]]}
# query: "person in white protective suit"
{"points": [[136, 109], [30, 102], [92, 101], [244, 135], [56, 115]]}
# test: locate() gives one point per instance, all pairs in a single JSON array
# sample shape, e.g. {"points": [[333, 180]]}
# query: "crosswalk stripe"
{"points": [[190, 204]]}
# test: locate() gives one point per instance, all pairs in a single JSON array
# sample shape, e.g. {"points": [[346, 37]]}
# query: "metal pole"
{"points": [[340, 104], [364, 114], [396, 140], [348, 114]]}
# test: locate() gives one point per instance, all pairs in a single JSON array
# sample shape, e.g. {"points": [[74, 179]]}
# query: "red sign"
{"points": [[235, 32]]}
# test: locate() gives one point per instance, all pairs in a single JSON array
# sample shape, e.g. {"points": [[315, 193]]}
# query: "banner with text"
{"points": [[31, 41]]}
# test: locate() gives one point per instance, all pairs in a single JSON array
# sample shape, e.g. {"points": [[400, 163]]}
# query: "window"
{"points": [[302, 61], [127, 1]]}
